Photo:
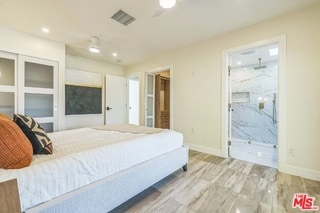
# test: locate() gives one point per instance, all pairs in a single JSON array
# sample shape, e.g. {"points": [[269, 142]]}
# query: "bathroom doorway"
{"points": [[253, 105], [229, 59]]}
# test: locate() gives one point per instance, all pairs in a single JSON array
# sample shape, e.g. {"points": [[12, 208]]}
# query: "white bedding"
{"points": [[83, 156]]}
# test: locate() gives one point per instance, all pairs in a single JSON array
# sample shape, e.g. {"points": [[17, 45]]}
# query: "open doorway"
{"points": [[253, 102], [253, 105], [162, 100], [158, 98]]}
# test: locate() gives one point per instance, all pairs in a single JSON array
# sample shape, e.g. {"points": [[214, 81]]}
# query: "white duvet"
{"points": [[83, 156]]}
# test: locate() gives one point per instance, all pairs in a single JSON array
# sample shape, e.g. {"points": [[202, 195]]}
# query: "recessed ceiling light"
{"points": [[45, 30], [114, 54], [273, 52], [239, 62]]}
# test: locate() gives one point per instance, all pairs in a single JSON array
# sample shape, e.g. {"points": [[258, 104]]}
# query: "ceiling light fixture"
{"points": [[45, 30], [273, 52], [167, 3], [93, 46], [114, 54]]}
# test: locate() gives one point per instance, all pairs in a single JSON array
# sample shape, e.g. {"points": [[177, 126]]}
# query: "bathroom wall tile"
{"points": [[248, 121]]}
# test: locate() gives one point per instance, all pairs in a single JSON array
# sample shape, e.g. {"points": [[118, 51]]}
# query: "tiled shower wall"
{"points": [[254, 115]]}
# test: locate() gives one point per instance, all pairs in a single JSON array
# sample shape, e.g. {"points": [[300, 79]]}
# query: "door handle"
{"points": [[109, 108]]}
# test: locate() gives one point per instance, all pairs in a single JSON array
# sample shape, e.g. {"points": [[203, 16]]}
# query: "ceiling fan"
{"points": [[93, 45]]}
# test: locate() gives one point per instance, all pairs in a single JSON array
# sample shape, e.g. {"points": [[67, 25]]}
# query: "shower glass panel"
{"points": [[254, 127], [254, 104]]}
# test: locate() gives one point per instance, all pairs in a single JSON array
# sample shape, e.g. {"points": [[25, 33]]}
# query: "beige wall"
{"points": [[89, 65], [197, 86]]}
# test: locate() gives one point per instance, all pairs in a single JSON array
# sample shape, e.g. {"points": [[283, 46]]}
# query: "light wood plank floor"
{"points": [[215, 184]]}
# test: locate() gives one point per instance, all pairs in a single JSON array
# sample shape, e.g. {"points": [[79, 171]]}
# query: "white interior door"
{"points": [[134, 91], [149, 101], [116, 100]]}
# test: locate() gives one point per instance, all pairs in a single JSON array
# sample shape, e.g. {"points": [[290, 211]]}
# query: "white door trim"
{"points": [[282, 144], [135, 75], [170, 68]]}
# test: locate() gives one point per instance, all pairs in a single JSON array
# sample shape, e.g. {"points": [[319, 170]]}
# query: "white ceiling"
{"points": [[249, 57], [73, 22]]}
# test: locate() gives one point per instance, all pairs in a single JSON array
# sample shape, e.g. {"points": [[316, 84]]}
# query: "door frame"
{"points": [[154, 71], [282, 144]]}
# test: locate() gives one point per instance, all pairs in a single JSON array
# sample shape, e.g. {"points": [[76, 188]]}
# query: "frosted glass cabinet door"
{"points": [[149, 106], [38, 75], [150, 89], [39, 78], [39, 105], [48, 127], [7, 103], [8, 88], [7, 67]]}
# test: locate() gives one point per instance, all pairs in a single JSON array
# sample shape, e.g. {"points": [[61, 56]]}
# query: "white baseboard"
{"points": [[302, 172], [292, 170], [205, 149]]}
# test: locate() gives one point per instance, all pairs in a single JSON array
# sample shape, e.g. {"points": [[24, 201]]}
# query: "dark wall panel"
{"points": [[83, 100]]}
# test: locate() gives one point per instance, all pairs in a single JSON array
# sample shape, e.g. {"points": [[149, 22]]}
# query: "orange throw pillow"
{"points": [[15, 148]]}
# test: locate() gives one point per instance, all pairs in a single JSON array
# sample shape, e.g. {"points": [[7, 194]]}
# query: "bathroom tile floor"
{"points": [[255, 153], [215, 184]]}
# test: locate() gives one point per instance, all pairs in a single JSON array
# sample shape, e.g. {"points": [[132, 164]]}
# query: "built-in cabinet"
{"points": [[29, 86], [8, 83]]}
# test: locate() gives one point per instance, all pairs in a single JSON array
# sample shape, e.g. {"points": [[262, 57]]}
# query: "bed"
{"points": [[97, 169]]}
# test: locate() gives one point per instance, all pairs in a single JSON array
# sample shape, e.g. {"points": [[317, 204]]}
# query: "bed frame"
{"points": [[108, 193]]}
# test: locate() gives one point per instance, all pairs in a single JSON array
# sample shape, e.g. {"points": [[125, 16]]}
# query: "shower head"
{"points": [[260, 67]]}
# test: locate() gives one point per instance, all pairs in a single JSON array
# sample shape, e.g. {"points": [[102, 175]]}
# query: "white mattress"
{"points": [[83, 156]]}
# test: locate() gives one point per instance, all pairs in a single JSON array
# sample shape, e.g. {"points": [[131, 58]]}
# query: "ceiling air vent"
{"points": [[123, 18]]}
